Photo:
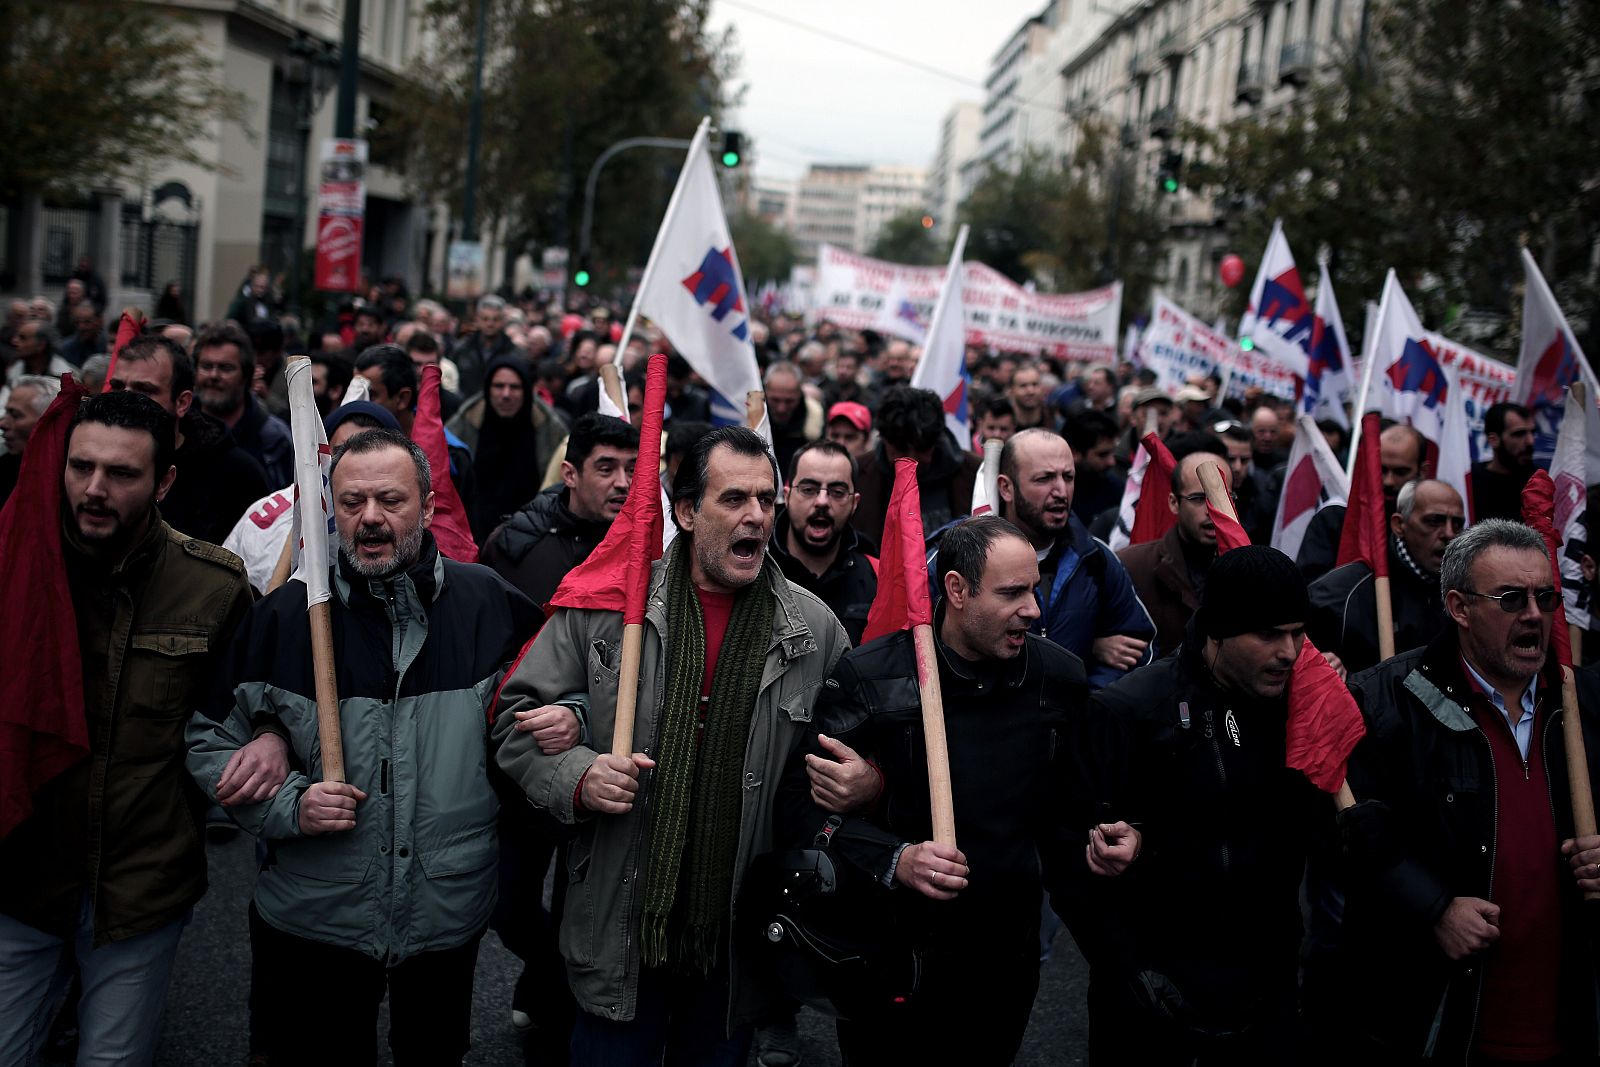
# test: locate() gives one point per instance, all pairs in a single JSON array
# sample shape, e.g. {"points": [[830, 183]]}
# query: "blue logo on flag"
{"points": [[1280, 300], [1417, 371], [717, 284]]}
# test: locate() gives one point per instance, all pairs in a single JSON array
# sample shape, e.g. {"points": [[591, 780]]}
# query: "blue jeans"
{"points": [[677, 1022], [124, 990]]}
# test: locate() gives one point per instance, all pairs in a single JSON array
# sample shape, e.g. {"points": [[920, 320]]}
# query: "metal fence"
{"points": [[157, 251], [69, 232]]}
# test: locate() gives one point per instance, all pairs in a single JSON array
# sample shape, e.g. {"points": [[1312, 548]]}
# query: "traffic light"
{"points": [[1171, 167], [732, 148], [1247, 343], [581, 277]]}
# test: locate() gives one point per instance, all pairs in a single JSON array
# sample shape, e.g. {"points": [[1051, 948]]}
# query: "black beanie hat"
{"points": [[1251, 588]]}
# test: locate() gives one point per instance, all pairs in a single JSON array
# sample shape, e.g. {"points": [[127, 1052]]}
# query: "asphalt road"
{"points": [[206, 1015]]}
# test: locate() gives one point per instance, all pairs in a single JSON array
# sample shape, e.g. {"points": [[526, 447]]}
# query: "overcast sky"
{"points": [[811, 99]]}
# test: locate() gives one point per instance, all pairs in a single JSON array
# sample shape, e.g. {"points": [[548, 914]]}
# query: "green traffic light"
{"points": [[581, 278], [1246, 343], [1170, 185], [730, 159]]}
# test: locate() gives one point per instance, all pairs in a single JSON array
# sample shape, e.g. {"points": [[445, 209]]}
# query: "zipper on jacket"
{"points": [[383, 777], [1494, 847], [1222, 773]]}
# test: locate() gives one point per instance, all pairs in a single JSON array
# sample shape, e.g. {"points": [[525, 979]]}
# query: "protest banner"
{"points": [[1177, 345]]}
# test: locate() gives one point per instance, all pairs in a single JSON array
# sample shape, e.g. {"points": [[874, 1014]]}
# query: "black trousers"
{"points": [[318, 1003], [1124, 1034], [971, 1007]]}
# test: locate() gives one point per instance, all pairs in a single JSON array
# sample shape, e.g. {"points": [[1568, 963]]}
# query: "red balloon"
{"points": [[1231, 270]]}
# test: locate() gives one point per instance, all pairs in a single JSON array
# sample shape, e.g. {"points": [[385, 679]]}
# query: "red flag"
{"points": [[43, 730], [1324, 723], [1152, 515], [127, 329], [1538, 512], [902, 599], [1365, 517], [449, 527], [616, 576]]}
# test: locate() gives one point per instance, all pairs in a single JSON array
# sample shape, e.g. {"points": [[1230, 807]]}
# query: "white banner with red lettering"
{"points": [[861, 293], [1178, 346]]}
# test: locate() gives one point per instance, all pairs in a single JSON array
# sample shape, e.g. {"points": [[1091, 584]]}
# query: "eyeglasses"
{"points": [[1514, 601], [808, 490], [1196, 499]]}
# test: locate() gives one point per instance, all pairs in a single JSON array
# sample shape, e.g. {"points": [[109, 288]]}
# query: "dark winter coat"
{"points": [[217, 480], [536, 547], [847, 587]]}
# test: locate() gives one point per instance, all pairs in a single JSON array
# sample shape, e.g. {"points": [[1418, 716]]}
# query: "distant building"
{"points": [[206, 228], [845, 205], [958, 143], [773, 200]]}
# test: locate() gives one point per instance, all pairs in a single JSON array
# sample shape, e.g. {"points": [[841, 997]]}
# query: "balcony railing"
{"points": [[1294, 63], [1249, 86]]}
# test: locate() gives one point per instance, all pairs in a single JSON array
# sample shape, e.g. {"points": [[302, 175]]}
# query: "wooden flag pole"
{"points": [[285, 565], [611, 382], [1583, 821], [327, 690], [755, 408], [627, 690], [1217, 496], [938, 749], [1380, 586]]}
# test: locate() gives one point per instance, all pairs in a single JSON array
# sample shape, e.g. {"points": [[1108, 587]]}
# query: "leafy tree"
{"points": [[766, 253], [98, 89], [1068, 226], [564, 80], [904, 239], [1460, 131]]}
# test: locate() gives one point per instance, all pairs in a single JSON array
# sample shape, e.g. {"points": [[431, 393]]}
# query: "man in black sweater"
{"points": [[1010, 700]]}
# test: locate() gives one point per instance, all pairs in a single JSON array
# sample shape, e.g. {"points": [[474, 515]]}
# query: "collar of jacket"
{"points": [[426, 575], [1191, 660], [1078, 536], [790, 633], [1439, 683], [135, 562], [1011, 672]]}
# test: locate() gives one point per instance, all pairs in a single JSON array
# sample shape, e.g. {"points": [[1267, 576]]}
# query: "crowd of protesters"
{"points": [[1116, 719]]}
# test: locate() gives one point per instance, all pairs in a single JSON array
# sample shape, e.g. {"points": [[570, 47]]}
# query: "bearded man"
{"points": [[383, 881], [815, 545]]}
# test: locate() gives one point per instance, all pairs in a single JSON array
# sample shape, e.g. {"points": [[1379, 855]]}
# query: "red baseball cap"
{"points": [[855, 414]]}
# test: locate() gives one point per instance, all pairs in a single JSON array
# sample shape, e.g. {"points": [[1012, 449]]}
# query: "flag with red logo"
{"points": [[1312, 479], [1328, 384], [693, 289], [943, 366], [902, 599], [43, 730], [449, 526], [1324, 724], [1550, 361], [1409, 382], [1365, 536], [1279, 319], [616, 575]]}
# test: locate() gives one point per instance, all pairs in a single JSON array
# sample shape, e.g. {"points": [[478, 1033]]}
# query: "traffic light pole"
{"points": [[582, 262]]}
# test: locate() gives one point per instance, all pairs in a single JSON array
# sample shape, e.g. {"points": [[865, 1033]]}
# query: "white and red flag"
{"points": [[1568, 469], [1312, 479], [313, 503], [943, 366], [1329, 382], [1280, 319], [1550, 361]]}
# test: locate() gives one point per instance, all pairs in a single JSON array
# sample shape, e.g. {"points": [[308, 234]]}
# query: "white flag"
{"points": [[313, 506], [694, 290], [1567, 470], [1550, 361], [1312, 479], [1328, 379], [986, 491], [898, 316], [1279, 318], [943, 366]]}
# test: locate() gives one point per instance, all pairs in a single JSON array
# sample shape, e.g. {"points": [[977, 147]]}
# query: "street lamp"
{"points": [[313, 68]]}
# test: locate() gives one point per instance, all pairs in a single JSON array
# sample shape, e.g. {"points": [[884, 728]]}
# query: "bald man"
{"points": [[1401, 451], [1344, 615], [1169, 574]]}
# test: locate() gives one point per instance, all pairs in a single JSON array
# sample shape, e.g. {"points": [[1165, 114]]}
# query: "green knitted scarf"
{"points": [[698, 788]]}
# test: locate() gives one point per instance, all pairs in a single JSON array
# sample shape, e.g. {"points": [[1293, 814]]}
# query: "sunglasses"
{"points": [[1514, 601]]}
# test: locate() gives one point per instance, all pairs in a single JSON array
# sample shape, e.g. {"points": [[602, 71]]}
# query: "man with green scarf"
{"points": [[733, 659]]}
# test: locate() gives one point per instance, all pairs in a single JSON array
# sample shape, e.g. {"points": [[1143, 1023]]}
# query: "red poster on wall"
{"points": [[342, 198]]}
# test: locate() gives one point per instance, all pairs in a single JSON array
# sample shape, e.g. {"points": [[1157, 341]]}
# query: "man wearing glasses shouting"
{"points": [[814, 543], [1462, 925], [1344, 607]]}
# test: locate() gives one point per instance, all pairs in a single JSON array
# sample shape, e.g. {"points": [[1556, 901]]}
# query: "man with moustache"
{"points": [[1189, 912], [1344, 602], [1464, 924], [105, 871], [384, 881], [733, 658], [1011, 699], [816, 546]]}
